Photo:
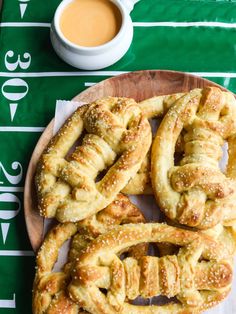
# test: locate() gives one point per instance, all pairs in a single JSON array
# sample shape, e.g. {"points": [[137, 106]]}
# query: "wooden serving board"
{"points": [[138, 85]]}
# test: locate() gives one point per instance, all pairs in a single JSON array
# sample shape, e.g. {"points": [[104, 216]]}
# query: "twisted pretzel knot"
{"points": [[196, 192], [117, 137], [49, 292], [196, 284], [219, 233]]}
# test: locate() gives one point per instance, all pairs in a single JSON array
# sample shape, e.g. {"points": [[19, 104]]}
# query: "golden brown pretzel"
{"points": [[117, 138], [49, 292], [199, 276], [197, 193]]}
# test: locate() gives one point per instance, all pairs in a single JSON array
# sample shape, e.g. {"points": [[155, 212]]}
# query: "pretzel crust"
{"points": [[196, 193], [154, 107], [197, 285], [117, 138], [49, 291]]}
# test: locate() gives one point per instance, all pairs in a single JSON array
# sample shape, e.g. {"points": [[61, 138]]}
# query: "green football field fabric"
{"points": [[192, 36]]}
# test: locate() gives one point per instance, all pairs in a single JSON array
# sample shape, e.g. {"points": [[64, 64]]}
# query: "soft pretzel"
{"points": [[196, 192], [49, 291], [199, 276], [117, 139]]}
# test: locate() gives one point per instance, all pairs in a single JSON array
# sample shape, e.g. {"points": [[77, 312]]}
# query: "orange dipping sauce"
{"points": [[90, 23]]}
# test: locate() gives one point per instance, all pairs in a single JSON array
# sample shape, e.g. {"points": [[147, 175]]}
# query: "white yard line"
{"points": [[101, 73], [87, 84], [24, 24], [135, 24], [11, 188], [21, 129], [184, 24], [16, 253], [50, 74], [8, 304], [214, 74]]}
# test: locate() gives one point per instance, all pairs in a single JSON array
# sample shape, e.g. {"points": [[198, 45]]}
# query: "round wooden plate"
{"points": [[138, 85]]}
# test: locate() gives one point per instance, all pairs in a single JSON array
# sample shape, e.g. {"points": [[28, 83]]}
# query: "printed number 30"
{"points": [[21, 86]]}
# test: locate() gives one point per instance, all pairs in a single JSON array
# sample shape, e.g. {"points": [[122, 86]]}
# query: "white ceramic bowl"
{"points": [[93, 58]]}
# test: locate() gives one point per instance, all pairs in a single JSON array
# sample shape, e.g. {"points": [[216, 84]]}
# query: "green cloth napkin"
{"points": [[193, 36]]}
